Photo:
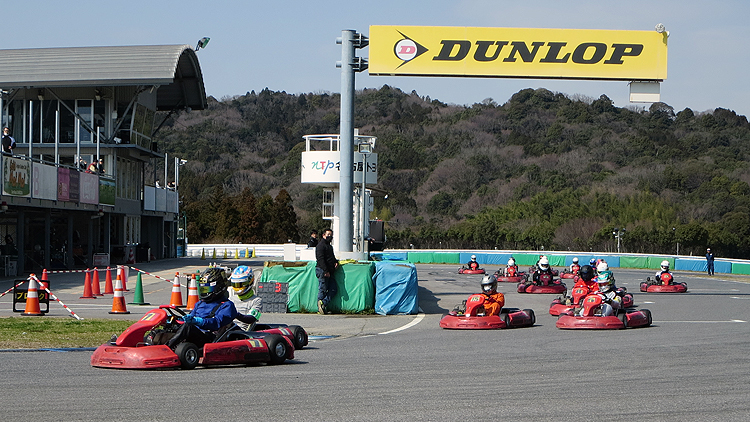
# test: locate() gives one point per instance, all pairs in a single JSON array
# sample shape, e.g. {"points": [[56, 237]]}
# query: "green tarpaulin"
{"points": [[356, 291]]}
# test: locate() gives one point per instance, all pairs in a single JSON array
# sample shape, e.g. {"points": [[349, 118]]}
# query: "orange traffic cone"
{"points": [[118, 300], [176, 299], [87, 286], [108, 289], [95, 287], [45, 280], [32, 299], [122, 272], [192, 294]]}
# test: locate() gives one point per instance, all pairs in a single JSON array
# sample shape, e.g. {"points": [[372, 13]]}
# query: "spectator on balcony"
{"points": [[100, 166], [8, 142]]}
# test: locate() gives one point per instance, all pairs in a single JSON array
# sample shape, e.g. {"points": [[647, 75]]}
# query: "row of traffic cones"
{"points": [[118, 298], [236, 253]]}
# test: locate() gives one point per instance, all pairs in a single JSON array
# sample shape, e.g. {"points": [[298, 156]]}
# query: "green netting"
{"points": [[556, 260], [446, 258], [634, 262], [738, 268], [654, 262], [356, 291], [421, 257], [526, 259]]}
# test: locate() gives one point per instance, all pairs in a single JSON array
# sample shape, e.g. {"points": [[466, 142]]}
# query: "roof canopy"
{"points": [[174, 68]]}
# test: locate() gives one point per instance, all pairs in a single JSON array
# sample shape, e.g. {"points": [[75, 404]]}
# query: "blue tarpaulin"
{"points": [[396, 288]]}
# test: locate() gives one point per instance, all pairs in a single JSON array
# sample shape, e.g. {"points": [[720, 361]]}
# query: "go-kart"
{"points": [[665, 284], [473, 317], [564, 304], [546, 285], [510, 276], [141, 346], [570, 273], [467, 270], [589, 317]]}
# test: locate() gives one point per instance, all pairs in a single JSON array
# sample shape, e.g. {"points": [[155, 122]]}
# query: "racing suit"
{"points": [[493, 303], [610, 302], [511, 270], [473, 265], [214, 315], [245, 305]]}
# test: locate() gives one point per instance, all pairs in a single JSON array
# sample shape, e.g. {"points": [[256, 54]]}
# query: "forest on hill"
{"points": [[544, 170]]}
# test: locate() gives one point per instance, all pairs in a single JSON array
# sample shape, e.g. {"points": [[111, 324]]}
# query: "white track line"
{"points": [[731, 321], [415, 321]]}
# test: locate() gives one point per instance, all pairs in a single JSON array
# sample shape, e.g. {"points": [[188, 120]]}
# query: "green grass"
{"points": [[42, 332]]}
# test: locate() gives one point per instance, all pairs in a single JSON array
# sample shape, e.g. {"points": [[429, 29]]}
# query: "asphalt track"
{"points": [[692, 364]]}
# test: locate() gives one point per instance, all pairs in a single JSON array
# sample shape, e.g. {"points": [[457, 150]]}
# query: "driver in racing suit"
{"points": [[493, 301], [587, 280], [212, 312], [543, 271], [473, 264], [610, 300], [511, 269], [664, 270], [242, 294]]}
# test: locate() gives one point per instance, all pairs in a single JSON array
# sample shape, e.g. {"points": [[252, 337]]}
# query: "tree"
{"points": [[248, 225], [284, 219]]}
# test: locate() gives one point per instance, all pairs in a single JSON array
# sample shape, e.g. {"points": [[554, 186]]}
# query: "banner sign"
{"points": [[517, 53], [323, 167], [16, 176]]}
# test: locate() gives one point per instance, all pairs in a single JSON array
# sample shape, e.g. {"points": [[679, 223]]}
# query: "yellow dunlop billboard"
{"points": [[517, 52]]}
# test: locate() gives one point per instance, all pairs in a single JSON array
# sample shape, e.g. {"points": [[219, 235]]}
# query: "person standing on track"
{"points": [[710, 261], [326, 265]]}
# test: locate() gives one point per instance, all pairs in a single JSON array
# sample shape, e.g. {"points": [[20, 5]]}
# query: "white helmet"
{"points": [[511, 262], [473, 257], [602, 266], [575, 260], [544, 263], [665, 265], [604, 283]]}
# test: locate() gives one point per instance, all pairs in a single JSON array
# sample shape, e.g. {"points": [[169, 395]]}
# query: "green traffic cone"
{"points": [[138, 295]]}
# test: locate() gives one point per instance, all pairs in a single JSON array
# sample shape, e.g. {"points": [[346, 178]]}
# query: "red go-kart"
{"points": [[473, 318], [467, 270], [564, 304], [547, 285], [665, 284], [570, 273], [138, 347], [511, 275], [590, 317]]}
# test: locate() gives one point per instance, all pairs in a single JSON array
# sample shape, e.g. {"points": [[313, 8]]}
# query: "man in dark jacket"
{"points": [[8, 142], [326, 265], [313, 242]]}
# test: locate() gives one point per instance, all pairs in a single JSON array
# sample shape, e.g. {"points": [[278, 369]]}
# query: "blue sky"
{"points": [[290, 45]]}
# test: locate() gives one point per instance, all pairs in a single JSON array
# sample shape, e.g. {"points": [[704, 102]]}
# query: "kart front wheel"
{"points": [[188, 355], [300, 336], [531, 314], [624, 318], [277, 348]]}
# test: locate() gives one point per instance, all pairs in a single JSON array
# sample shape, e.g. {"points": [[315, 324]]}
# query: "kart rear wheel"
{"points": [[506, 319], [648, 316], [188, 354], [531, 314], [624, 318], [277, 348], [300, 336]]}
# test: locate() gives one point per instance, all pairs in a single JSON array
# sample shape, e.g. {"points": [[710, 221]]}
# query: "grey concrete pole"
{"points": [[346, 142]]}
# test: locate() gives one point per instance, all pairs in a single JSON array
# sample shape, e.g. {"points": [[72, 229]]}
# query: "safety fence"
{"points": [[556, 259]]}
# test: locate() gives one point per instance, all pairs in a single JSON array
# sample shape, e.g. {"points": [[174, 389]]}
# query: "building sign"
{"points": [[517, 53], [323, 167], [16, 177]]}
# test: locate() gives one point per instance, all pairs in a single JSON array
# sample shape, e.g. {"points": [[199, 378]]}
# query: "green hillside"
{"points": [[543, 170]]}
